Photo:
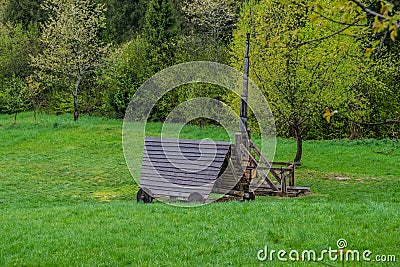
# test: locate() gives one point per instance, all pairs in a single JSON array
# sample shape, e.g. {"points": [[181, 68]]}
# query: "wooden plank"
{"points": [[176, 146], [212, 166], [185, 150], [183, 159], [176, 171], [265, 161], [172, 195], [162, 184], [233, 170], [266, 187], [179, 176], [291, 175], [286, 163], [165, 171], [277, 177], [282, 169], [299, 188], [273, 170], [259, 154], [179, 182], [178, 158], [182, 183], [185, 146], [263, 175], [176, 179], [247, 153], [283, 184], [171, 191], [160, 189], [183, 141]]}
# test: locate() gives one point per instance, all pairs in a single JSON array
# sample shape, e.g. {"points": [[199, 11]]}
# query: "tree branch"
{"points": [[373, 13], [381, 122], [339, 22], [326, 36]]}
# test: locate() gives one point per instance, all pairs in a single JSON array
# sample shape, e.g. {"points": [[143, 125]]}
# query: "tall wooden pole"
{"points": [[244, 97]]}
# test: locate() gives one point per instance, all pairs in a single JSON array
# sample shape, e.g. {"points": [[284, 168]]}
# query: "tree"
{"points": [[15, 46], [386, 19], [216, 18], [72, 49], [125, 19], [128, 68], [379, 17], [160, 30], [12, 98], [16, 43], [26, 12], [160, 35], [298, 69], [377, 24]]}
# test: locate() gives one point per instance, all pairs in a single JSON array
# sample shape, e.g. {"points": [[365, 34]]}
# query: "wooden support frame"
{"points": [[283, 172]]}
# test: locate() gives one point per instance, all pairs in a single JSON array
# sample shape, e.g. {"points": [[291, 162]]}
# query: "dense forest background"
{"points": [[89, 57]]}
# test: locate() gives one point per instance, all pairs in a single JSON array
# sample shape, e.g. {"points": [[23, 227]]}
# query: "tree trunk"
{"points": [[216, 48], [354, 131], [75, 93], [76, 112], [299, 140], [15, 117]]}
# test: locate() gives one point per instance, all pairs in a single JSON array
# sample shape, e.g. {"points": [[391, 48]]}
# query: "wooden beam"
{"points": [[269, 182], [258, 152], [263, 174]]}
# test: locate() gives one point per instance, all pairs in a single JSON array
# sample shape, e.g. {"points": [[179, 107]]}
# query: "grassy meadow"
{"points": [[68, 199]]}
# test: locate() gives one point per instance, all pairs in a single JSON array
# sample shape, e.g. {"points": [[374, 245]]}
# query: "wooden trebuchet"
{"points": [[179, 170]]}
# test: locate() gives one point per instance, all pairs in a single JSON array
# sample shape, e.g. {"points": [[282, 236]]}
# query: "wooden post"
{"points": [[283, 183], [291, 178], [244, 97], [238, 139]]}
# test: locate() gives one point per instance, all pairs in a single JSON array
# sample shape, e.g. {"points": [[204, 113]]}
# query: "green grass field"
{"points": [[68, 199]]}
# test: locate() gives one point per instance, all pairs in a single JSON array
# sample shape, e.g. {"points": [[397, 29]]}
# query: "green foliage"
{"points": [[72, 49], [299, 71], [381, 89], [12, 96], [152, 35], [374, 23], [26, 12], [125, 19], [15, 46], [160, 29], [128, 68], [212, 20], [380, 19], [138, 59]]}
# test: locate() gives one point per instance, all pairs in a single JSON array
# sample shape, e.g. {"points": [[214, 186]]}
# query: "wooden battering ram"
{"points": [[204, 171]]}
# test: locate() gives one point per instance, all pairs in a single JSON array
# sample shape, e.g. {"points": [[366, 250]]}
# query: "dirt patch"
{"points": [[338, 177]]}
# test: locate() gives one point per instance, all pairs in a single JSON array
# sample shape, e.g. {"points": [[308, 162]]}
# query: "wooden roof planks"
{"points": [[177, 168]]}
